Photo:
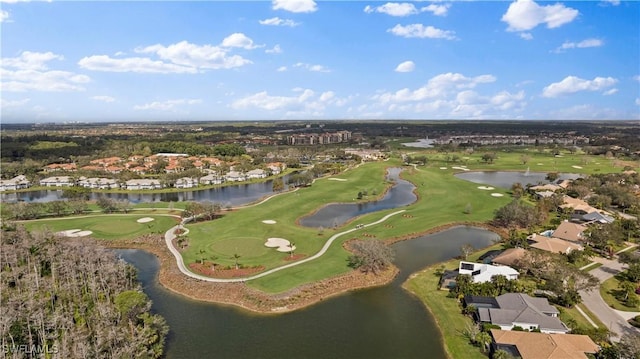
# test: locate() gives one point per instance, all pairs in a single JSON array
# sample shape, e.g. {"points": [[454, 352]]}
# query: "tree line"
{"points": [[69, 298]]}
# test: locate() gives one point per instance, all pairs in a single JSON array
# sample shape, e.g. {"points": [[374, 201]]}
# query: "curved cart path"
{"points": [[170, 236]]}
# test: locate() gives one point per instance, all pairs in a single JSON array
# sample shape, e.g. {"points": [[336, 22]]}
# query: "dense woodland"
{"points": [[63, 298]]}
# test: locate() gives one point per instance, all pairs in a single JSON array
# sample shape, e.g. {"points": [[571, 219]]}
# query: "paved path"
{"points": [[611, 318], [170, 235]]}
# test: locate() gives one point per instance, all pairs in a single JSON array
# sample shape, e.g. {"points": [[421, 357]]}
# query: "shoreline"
{"points": [[241, 295]]}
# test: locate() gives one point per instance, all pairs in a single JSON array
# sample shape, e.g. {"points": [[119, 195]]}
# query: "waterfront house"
{"points": [[570, 231], [59, 181], [528, 345], [257, 174], [512, 310], [98, 183], [15, 183], [509, 257], [235, 176], [137, 184], [553, 245], [186, 182], [211, 178], [481, 272]]}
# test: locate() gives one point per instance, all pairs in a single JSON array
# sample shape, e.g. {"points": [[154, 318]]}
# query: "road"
{"points": [[616, 321]]}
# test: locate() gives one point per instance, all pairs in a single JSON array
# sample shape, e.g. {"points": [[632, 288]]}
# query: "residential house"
{"points": [[276, 167], [70, 167], [235, 176], [98, 183], [137, 184], [15, 183], [60, 181], [186, 182], [481, 273], [546, 187], [569, 231], [528, 345], [509, 257], [553, 245], [518, 310], [597, 216], [256, 174], [212, 178]]}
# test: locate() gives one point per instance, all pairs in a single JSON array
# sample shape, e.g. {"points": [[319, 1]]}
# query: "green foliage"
{"points": [[228, 150], [132, 303]]}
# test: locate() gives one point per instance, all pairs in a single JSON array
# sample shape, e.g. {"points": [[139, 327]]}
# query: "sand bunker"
{"points": [[578, 167], [281, 244], [460, 168], [269, 221], [75, 233], [145, 220], [486, 188], [337, 179], [443, 168], [539, 164], [497, 194]]}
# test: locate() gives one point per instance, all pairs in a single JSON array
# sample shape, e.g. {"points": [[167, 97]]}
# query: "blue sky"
{"points": [[300, 59]]}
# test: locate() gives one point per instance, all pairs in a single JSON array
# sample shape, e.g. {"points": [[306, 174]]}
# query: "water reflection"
{"points": [[334, 215], [384, 322], [507, 179]]}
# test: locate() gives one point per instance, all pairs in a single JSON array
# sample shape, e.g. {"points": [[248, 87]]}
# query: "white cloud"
{"points": [[524, 15], [4, 15], [611, 2], [440, 86], [13, 103], [276, 21], [103, 98], [169, 105], [610, 92], [637, 78], [573, 84], [421, 31], [438, 10], [303, 102], [310, 67], [132, 64], [393, 9], [406, 66], [580, 45], [181, 57], [526, 35], [282, 69], [31, 60], [239, 39], [29, 71], [297, 6], [275, 50], [638, 101], [17, 1]]}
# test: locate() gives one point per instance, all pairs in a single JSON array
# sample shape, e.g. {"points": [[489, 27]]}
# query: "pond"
{"points": [[506, 179], [234, 195], [384, 322], [336, 214]]}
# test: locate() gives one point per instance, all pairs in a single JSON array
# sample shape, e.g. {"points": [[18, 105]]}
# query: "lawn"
{"points": [[424, 285], [608, 291], [107, 226], [435, 207]]}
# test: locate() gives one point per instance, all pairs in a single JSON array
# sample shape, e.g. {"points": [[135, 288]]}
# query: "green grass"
{"points": [[436, 207], [608, 291], [446, 311], [107, 226], [567, 314]]}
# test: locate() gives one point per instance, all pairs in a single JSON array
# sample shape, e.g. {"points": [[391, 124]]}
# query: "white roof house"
{"points": [[235, 176], [212, 178], [17, 182], [257, 173], [186, 182], [97, 182], [134, 184], [481, 273], [59, 181]]}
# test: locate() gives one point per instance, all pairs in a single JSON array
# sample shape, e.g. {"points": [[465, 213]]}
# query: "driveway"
{"points": [[613, 319]]}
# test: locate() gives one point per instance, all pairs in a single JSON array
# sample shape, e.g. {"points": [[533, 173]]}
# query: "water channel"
{"points": [[335, 214], [385, 322]]}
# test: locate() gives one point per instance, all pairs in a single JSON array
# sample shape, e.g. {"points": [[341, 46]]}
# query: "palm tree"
{"points": [[291, 248], [236, 256], [213, 263], [483, 339]]}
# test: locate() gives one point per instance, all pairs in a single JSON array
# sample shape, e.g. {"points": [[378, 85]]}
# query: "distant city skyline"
{"points": [[66, 61]]}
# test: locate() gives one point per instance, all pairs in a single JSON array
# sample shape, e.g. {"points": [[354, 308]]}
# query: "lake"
{"points": [[506, 179], [335, 214], [384, 322]]}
